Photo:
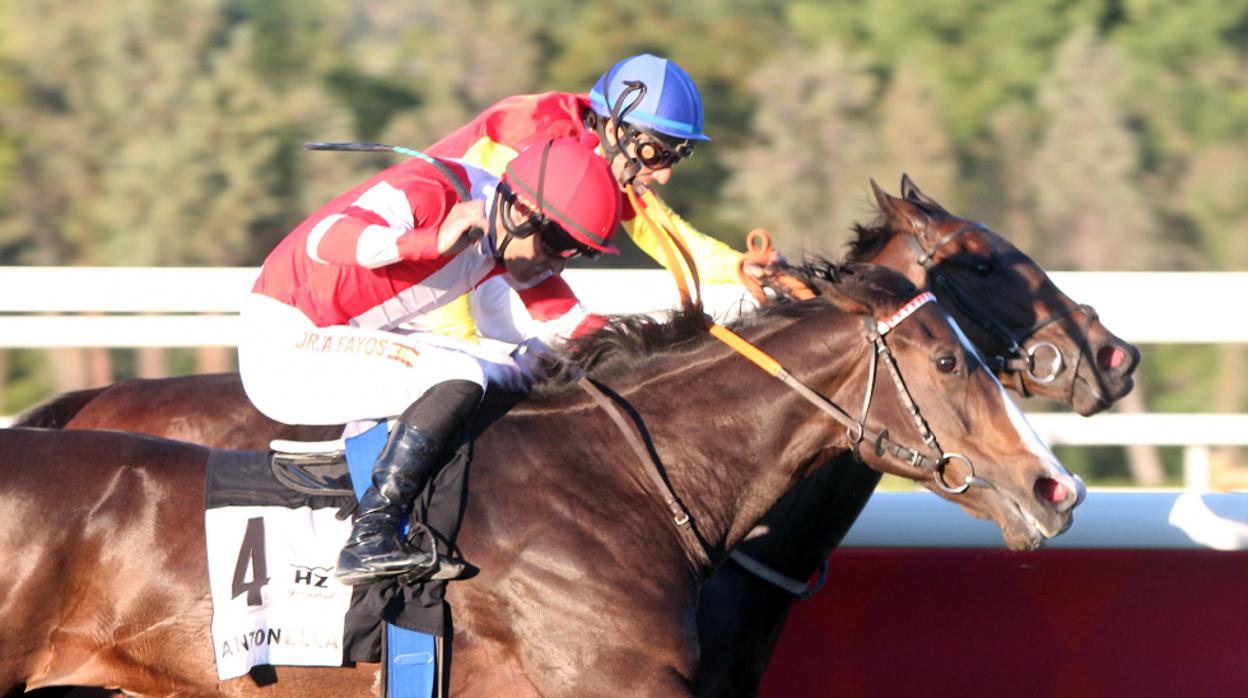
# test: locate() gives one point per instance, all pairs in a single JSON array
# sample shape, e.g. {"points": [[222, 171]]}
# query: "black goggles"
{"points": [[558, 244], [555, 242], [656, 154]]}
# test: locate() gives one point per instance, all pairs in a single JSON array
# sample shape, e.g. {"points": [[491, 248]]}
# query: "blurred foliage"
{"points": [[1106, 134], [1097, 134]]}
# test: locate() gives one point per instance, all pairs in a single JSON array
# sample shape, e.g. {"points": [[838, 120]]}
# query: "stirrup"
{"points": [[440, 568], [365, 574]]}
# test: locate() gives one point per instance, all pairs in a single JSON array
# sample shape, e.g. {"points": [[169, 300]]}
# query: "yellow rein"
{"points": [[673, 244]]}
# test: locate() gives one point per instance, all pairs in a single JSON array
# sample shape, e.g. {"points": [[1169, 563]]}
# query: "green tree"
{"points": [[804, 173], [1092, 210], [459, 57], [913, 138]]}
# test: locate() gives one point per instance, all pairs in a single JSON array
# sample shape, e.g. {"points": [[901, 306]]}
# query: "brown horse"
{"points": [[1004, 297], [1037, 340], [586, 586]]}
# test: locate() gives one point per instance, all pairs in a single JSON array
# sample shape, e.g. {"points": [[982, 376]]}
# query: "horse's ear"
{"points": [[911, 192], [903, 215]]}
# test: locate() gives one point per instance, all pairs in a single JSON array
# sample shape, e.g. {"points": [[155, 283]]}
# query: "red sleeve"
{"points": [[518, 122], [554, 304], [395, 218], [430, 205]]}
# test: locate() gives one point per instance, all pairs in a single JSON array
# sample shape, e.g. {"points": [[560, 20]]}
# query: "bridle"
{"points": [[881, 443], [1017, 358], [912, 463]]}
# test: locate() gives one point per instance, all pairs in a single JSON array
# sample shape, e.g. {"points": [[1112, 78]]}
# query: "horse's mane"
{"points": [[869, 239], [628, 342]]}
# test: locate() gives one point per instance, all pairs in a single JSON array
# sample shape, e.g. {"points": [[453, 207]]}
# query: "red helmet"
{"points": [[566, 181]]}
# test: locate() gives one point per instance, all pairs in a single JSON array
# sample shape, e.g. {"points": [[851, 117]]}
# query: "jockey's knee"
{"points": [[444, 406]]}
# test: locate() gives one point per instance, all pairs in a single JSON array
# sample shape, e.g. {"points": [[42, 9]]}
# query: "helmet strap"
{"points": [[498, 212], [623, 133]]}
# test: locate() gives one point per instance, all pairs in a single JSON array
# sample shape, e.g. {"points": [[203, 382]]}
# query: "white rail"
{"points": [[1106, 519], [149, 299], [191, 307]]}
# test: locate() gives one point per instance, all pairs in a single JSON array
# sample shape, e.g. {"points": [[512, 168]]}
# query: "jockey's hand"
{"points": [[463, 226], [533, 357], [760, 269]]}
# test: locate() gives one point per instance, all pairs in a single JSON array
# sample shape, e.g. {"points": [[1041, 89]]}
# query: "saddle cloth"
{"points": [[271, 553]]}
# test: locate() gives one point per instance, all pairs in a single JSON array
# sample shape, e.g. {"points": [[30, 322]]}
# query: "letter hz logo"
{"points": [[311, 576]]}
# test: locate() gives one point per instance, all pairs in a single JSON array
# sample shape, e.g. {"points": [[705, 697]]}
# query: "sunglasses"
{"points": [[557, 244], [657, 155], [554, 241]]}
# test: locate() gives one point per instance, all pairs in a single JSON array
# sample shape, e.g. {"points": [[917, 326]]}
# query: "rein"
{"points": [[634, 434]]}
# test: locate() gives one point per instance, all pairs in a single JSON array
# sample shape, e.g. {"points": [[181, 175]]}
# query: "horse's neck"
{"points": [[799, 533], [733, 440]]}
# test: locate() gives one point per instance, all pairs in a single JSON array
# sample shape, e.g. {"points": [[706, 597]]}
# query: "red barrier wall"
{"points": [[901, 622]]}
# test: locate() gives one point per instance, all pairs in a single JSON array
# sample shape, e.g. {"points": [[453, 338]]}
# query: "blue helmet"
{"points": [[671, 104]]}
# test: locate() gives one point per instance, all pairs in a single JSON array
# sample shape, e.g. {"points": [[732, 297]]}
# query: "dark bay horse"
{"points": [[1038, 341], [586, 586], [1006, 302]]}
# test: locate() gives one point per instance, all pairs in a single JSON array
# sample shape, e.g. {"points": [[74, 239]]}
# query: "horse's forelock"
{"points": [[864, 289]]}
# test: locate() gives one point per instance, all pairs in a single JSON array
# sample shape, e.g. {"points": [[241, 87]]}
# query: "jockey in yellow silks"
{"points": [[647, 113]]}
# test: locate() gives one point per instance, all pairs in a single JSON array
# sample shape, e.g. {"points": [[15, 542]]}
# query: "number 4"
{"points": [[251, 554]]}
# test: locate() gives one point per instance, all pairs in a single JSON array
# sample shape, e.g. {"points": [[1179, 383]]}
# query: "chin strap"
{"points": [[495, 214], [622, 133]]}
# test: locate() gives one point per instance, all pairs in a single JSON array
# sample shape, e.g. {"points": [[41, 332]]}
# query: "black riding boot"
{"points": [[410, 459]]}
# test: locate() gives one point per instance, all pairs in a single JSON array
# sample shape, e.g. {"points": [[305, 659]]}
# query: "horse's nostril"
{"points": [[1051, 490], [1110, 357]]}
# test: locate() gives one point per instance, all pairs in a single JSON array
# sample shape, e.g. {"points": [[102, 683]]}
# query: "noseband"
{"points": [[1018, 359]]}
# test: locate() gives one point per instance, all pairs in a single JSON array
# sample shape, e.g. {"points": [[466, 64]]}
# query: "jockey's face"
{"points": [[657, 159], [525, 258]]}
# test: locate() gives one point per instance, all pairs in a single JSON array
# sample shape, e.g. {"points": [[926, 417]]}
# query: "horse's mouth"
{"points": [[1090, 396], [1033, 532]]}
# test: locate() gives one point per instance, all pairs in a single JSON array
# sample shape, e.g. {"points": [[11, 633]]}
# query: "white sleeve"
{"points": [[500, 314]]}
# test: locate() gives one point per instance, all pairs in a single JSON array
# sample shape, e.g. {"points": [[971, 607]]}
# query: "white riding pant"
{"points": [[298, 373]]}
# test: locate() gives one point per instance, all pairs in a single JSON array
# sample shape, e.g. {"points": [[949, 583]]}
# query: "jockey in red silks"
{"points": [[647, 113], [324, 340]]}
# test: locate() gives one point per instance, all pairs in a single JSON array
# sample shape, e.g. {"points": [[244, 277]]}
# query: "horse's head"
{"points": [[931, 411], [1037, 340]]}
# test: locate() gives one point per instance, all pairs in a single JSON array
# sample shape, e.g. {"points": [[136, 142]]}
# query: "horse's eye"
{"points": [[946, 364], [982, 268]]}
